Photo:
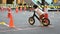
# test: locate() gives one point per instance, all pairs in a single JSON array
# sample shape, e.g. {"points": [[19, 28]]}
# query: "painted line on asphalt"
{"points": [[18, 29]]}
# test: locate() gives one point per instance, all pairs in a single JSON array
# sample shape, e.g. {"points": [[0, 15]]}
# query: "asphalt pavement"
{"points": [[23, 27]]}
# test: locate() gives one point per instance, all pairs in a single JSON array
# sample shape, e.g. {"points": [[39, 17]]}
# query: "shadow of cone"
{"points": [[2, 9], [11, 23]]}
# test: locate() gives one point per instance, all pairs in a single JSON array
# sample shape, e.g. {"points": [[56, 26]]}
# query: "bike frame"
{"points": [[34, 15]]}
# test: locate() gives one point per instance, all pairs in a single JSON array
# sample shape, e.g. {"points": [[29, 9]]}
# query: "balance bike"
{"points": [[45, 21]]}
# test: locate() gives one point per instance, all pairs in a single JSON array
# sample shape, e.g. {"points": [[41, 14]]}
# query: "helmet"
{"points": [[35, 6]]}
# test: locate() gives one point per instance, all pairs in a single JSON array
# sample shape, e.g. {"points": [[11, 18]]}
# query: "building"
{"points": [[10, 1]]}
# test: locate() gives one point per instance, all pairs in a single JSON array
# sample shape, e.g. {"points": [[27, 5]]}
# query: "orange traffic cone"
{"points": [[20, 8], [2, 9], [9, 11], [31, 8], [11, 23], [16, 9], [8, 16], [24, 8]]}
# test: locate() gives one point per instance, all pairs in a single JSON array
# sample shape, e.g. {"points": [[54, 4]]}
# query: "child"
{"points": [[40, 13]]}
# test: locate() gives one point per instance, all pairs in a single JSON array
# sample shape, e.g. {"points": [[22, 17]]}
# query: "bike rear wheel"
{"points": [[45, 22]]}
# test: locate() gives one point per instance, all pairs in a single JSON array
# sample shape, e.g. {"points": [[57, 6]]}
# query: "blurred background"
{"points": [[53, 4]]}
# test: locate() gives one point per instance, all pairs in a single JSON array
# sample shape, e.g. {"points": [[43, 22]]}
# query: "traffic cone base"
{"points": [[11, 24]]}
